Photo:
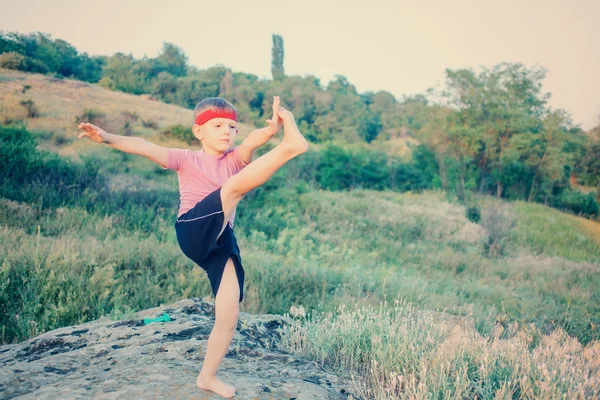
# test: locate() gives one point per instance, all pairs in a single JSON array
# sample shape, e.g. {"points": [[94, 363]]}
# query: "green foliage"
{"points": [[589, 165], [122, 72], [543, 231], [580, 204], [498, 222], [339, 168], [370, 126], [172, 60], [49, 181], [277, 57], [38, 52], [39, 177], [493, 133], [181, 132], [12, 60], [474, 214], [344, 246]]}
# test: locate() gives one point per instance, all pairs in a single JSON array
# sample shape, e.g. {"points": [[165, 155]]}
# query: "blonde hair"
{"points": [[214, 103]]}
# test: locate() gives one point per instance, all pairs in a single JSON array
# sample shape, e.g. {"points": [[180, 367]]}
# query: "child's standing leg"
{"points": [[226, 316]]}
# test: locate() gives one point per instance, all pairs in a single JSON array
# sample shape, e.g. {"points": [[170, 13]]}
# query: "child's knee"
{"points": [[228, 318]]}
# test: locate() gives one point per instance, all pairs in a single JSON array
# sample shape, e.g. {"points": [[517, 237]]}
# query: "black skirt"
{"points": [[197, 232]]}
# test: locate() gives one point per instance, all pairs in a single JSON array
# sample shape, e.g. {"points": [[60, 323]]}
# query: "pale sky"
{"points": [[399, 46]]}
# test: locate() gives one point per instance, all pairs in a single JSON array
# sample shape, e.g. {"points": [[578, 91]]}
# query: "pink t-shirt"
{"points": [[200, 174]]}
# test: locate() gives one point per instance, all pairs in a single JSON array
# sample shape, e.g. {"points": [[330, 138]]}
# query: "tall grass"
{"points": [[395, 351], [315, 248]]}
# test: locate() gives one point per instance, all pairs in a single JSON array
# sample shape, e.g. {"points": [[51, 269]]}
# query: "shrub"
{"points": [[90, 115], [30, 175], [13, 60], [473, 214], [130, 116], [581, 204], [498, 222], [149, 124], [32, 110], [181, 132]]}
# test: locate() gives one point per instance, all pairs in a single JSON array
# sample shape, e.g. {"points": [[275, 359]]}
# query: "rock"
{"points": [[108, 360]]}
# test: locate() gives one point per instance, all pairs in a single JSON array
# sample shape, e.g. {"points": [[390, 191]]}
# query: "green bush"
{"points": [[181, 132], [35, 176], [13, 60], [49, 181], [473, 214], [90, 115], [580, 204]]}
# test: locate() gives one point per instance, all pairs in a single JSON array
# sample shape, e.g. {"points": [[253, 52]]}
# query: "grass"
{"points": [[396, 351], [435, 260]]}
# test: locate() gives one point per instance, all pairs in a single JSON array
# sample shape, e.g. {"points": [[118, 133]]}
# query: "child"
{"points": [[212, 181]]}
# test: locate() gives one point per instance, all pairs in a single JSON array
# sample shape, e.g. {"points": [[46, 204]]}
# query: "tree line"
{"points": [[489, 131]]}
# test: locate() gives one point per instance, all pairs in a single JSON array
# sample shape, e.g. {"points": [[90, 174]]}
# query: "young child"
{"points": [[212, 181]]}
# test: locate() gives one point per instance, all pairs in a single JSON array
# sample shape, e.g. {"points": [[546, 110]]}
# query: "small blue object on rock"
{"points": [[163, 318]]}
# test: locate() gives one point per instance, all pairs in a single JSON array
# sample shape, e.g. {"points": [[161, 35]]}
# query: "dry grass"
{"points": [[60, 101], [399, 352], [592, 228]]}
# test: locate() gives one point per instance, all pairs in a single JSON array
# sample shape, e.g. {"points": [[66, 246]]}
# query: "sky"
{"points": [[403, 47]]}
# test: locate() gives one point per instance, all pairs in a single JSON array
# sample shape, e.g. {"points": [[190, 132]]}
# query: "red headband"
{"points": [[210, 114]]}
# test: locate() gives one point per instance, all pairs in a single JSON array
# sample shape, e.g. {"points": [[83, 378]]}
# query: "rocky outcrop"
{"points": [[129, 360]]}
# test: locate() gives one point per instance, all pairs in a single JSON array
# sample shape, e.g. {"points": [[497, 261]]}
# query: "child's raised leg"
{"points": [[226, 317], [260, 170]]}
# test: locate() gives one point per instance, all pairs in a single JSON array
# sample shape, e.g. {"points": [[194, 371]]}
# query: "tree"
{"points": [[501, 102], [123, 73], [544, 153], [173, 60], [590, 165], [47, 52], [435, 136], [10, 42], [465, 145], [226, 85], [165, 85], [277, 57]]}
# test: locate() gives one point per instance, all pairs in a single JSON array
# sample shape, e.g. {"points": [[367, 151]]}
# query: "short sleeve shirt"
{"points": [[200, 174]]}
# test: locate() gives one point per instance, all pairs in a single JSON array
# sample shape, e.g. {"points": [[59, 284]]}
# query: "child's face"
{"points": [[217, 134]]}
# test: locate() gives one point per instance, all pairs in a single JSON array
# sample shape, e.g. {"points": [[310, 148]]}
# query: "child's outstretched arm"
{"points": [[127, 144], [258, 137]]}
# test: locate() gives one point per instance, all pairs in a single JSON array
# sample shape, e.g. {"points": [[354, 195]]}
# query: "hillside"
{"points": [[61, 101]]}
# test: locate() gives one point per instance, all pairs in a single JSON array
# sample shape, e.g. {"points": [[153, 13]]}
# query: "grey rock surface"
{"points": [[129, 360]]}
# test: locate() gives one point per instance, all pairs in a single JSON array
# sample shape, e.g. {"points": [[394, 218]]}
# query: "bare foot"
{"points": [[292, 138], [216, 385]]}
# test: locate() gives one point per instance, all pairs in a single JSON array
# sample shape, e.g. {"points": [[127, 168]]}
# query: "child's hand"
{"points": [[98, 135], [275, 122]]}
